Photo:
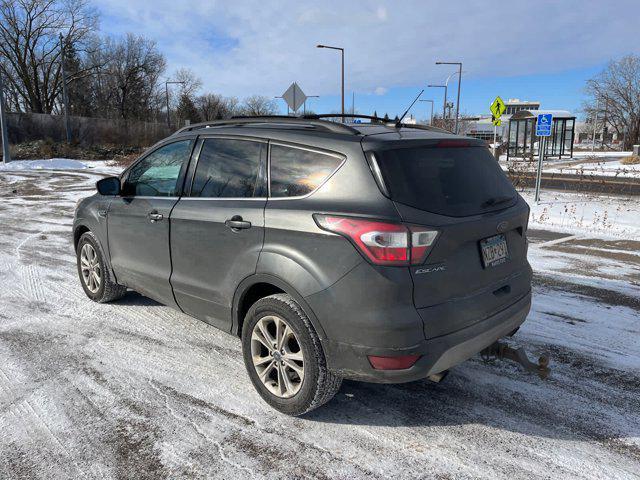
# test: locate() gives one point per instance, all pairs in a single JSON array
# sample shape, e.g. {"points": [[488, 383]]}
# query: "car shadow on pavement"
{"points": [[134, 299], [523, 405]]}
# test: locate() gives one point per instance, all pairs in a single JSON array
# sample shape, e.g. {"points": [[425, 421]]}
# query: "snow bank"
{"points": [[51, 164], [576, 212]]}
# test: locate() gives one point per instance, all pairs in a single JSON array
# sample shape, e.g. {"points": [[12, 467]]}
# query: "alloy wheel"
{"points": [[90, 268], [277, 356]]}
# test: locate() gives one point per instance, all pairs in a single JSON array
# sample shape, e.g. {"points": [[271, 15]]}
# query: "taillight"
{"points": [[383, 243]]}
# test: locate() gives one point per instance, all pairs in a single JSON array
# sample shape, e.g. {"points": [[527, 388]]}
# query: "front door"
{"points": [[138, 221], [217, 228]]}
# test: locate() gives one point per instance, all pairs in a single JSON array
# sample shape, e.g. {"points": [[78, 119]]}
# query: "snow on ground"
{"points": [[583, 212], [134, 389], [50, 164], [60, 164], [607, 164]]}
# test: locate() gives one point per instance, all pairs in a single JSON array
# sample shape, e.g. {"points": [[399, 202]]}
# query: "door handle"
{"points": [[236, 223], [154, 216]]}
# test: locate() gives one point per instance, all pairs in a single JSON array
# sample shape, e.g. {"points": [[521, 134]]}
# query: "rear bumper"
{"points": [[437, 354]]}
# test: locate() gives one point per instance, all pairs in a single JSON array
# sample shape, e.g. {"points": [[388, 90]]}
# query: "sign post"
{"points": [[543, 130], [497, 109]]}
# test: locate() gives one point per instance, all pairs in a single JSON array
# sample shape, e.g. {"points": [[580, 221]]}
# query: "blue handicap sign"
{"points": [[543, 125]]}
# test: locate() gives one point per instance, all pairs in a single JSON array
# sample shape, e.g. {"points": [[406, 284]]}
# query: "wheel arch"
{"points": [[78, 231], [82, 228], [261, 285]]}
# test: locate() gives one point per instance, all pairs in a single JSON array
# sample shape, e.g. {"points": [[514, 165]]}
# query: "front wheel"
{"points": [[284, 358], [94, 273]]}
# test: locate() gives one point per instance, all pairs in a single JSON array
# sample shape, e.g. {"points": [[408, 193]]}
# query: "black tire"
{"points": [[109, 290], [319, 385]]}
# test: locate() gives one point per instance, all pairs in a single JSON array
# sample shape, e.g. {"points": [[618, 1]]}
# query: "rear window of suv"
{"points": [[456, 181]]}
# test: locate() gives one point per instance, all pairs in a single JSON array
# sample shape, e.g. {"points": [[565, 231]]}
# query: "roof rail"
{"points": [[376, 120], [273, 119], [349, 115]]}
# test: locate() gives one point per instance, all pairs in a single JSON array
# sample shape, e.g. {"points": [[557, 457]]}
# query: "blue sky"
{"points": [[543, 50]]}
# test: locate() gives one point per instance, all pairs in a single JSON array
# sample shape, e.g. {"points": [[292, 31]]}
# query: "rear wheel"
{"points": [[284, 358], [94, 273]]}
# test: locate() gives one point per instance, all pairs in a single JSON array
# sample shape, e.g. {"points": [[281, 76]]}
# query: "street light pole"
{"points": [[6, 154], [459, 64], [166, 92], [304, 105], [431, 120], [342, 58]]}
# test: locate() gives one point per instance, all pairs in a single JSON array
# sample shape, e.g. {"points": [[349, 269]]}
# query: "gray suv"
{"points": [[377, 252]]}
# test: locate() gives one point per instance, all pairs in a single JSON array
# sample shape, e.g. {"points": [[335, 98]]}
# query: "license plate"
{"points": [[494, 251]]}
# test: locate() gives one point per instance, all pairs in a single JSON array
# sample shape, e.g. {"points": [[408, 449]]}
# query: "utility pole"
{"points": [[65, 97], [6, 155], [342, 57]]}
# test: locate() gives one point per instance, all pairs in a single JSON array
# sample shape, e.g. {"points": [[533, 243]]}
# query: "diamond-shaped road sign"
{"points": [[294, 96], [497, 108]]}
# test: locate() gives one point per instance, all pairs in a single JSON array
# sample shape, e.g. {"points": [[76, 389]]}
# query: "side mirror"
{"points": [[108, 186]]}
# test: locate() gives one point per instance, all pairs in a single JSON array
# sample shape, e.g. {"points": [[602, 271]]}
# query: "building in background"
{"points": [[515, 105]]}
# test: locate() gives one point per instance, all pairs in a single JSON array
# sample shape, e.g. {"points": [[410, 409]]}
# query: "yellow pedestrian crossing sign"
{"points": [[497, 109]]}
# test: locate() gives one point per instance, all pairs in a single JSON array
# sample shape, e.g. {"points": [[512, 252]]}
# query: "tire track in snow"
{"points": [[32, 283]]}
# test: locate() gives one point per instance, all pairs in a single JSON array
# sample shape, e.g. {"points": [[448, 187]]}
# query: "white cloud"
{"points": [[252, 46], [380, 90]]}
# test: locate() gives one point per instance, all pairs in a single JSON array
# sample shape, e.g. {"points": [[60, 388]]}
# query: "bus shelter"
{"points": [[523, 142]]}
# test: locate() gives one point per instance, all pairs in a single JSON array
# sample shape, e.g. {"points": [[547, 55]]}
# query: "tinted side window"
{"points": [[157, 174], [296, 172], [230, 169]]}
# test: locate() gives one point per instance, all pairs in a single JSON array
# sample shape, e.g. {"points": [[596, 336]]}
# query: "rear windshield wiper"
{"points": [[496, 201]]}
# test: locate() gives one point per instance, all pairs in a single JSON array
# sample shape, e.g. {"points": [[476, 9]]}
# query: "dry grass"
{"points": [[47, 148], [632, 160]]}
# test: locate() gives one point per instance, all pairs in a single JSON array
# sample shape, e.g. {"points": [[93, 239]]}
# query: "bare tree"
{"points": [[615, 98], [128, 86], [30, 45], [258, 105], [191, 83], [215, 107]]}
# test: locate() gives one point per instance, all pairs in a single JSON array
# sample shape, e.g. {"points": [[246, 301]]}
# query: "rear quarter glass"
{"points": [[459, 181]]}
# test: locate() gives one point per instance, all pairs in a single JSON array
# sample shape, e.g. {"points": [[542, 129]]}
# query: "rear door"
{"points": [[138, 220], [478, 264], [217, 228]]}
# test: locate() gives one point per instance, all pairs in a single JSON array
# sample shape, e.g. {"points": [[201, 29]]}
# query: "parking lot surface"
{"points": [[134, 389]]}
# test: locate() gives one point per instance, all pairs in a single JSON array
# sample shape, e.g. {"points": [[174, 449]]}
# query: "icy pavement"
{"points": [[136, 390]]}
